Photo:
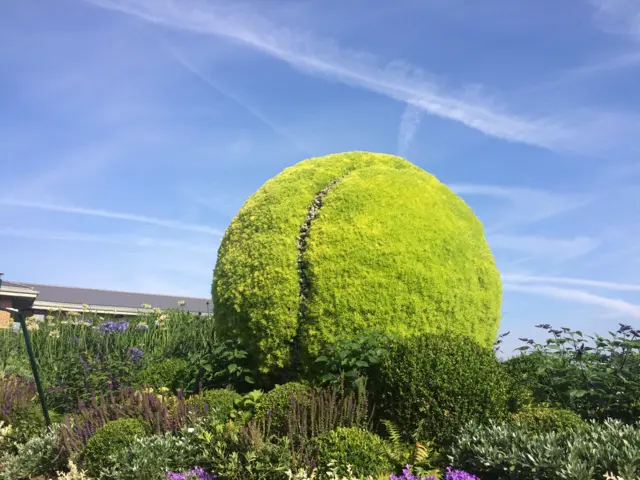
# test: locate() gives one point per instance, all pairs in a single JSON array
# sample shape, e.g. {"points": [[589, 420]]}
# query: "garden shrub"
{"points": [[218, 403], [219, 365], [430, 386], [108, 440], [339, 244], [349, 360], [597, 377], [29, 421], [159, 413], [544, 419], [153, 456], [167, 373], [16, 394], [508, 450], [363, 450], [278, 403], [38, 456]]}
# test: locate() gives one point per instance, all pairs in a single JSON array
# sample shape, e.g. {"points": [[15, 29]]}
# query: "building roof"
{"points": [[105, 301]]}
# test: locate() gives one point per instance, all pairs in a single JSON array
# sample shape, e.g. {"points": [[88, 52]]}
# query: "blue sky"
{"points": [[131, 131]]}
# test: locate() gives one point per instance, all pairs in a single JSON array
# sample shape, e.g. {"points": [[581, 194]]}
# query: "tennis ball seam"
{"points": [[302, 264]]}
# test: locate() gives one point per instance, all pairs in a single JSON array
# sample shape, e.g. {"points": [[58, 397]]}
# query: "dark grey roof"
{"points": [[89, 296]]}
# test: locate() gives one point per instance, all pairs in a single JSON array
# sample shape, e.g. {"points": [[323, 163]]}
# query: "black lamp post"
{"points": [[32, 360]]}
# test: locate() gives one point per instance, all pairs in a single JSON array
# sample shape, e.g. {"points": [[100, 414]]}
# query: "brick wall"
{"points": [[5, 317]]}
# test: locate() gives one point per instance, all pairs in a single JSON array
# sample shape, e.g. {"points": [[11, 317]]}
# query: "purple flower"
{"points": [[142, 326], [135, 354], [113, 326], [195, 474], [459, 475], [450, 474]]}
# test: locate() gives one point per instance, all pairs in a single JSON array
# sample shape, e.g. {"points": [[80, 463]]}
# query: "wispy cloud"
{"points": [[558, 249], [286, 134], [526, 205], [172, 224], [398, 80], [619, 16], [580, 296], [132, 240], [516, 278], [409, 123]]}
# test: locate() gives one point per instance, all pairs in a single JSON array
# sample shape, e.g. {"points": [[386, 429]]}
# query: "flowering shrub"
{"points": [[113, 326], [135, 354], [16, 393]]}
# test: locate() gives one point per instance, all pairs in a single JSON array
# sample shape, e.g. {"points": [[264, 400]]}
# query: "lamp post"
{"points": [[32, 360]]}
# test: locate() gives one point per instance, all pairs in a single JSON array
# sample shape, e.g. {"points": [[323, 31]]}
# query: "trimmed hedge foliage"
{"points": [[388, 247], [167, 373], [278, 403], [366, 452], [430, 386], [108, 440], [220, 402], [546, 419]]}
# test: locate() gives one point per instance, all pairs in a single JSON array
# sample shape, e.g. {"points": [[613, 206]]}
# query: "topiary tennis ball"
{"points": [[337, 245]]}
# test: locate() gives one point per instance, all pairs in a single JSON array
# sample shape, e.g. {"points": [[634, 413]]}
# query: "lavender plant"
{"points": [[196, 473]]}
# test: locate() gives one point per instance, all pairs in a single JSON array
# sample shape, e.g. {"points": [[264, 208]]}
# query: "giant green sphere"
{"points": [[341, 244]]}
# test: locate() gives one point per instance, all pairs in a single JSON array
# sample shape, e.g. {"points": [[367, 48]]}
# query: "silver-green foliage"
{"points": [[512, 451], [152, 457], [39, 455]]}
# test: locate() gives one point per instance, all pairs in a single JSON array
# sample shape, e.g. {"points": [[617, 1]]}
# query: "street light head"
{"points": [[10, 310]]}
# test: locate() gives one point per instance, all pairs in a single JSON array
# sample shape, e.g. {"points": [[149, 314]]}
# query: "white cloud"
{"points": [[560, 249], [516, 278], [409, 123], [132, 240], [619, 16], [398, 80], [579, 296], [526, 205], [172, 224]]}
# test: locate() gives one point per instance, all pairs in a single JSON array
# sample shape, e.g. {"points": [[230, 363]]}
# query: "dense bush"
{"points": [[431, 386], [108, 440], [512, 451], [348, 359], [218, 403], [219, 365], [167, 373], [332, 246], [547, 419], [597, 377], [39, 455], [278, 403], [153, 456], [366, 452]]}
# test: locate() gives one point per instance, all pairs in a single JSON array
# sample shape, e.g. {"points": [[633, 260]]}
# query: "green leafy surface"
{"points": [[391, 248]]}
